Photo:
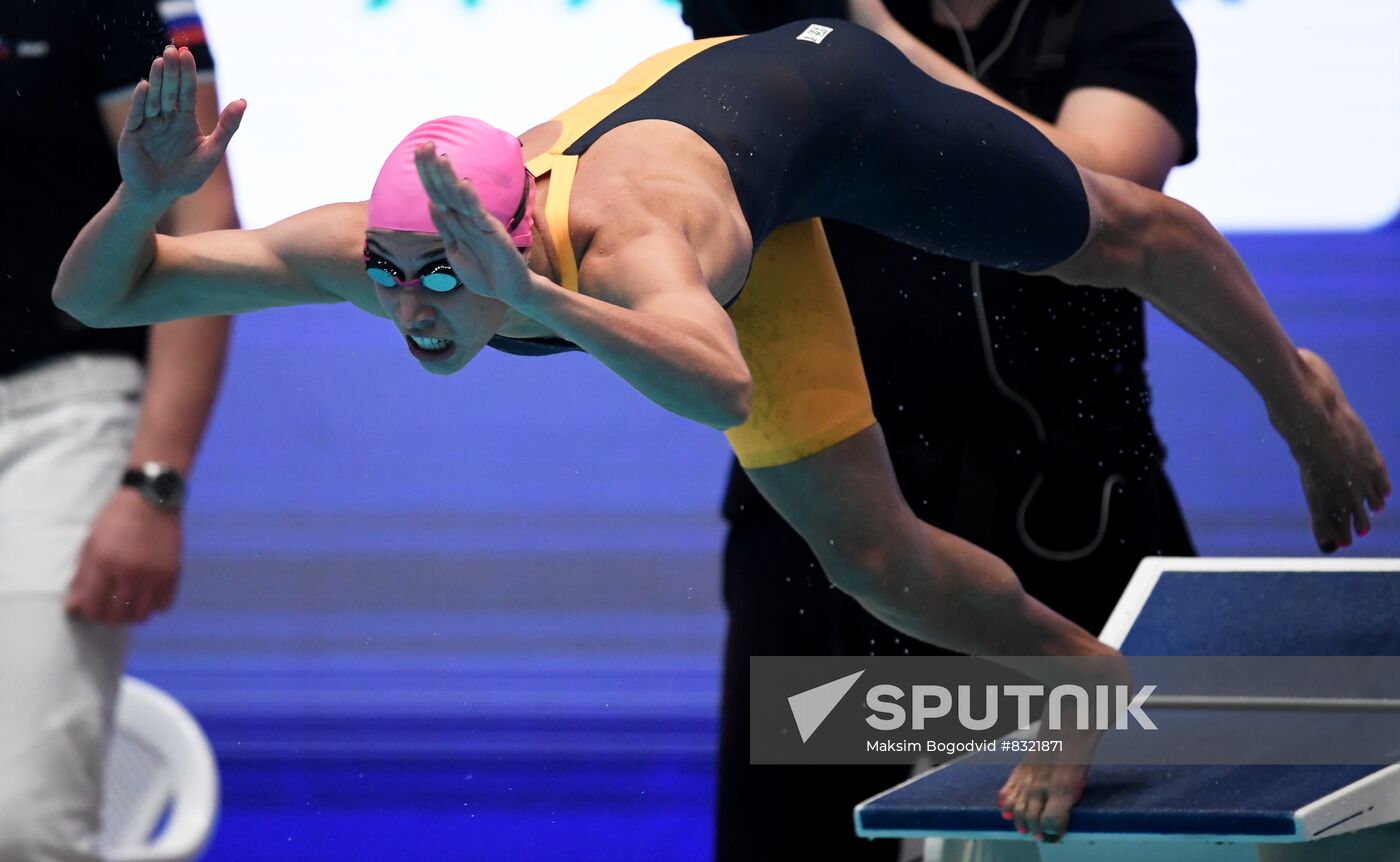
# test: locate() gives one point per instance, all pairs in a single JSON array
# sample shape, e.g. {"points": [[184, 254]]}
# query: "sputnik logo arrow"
{"points": [[811, 707]]}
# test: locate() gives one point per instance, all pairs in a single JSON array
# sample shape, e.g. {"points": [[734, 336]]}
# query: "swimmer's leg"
{"points": [[846, 503], [1169, 254], [950, 173]]}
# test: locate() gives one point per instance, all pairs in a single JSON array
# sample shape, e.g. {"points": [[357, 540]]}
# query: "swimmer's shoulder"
{"points": [[540, 139]]}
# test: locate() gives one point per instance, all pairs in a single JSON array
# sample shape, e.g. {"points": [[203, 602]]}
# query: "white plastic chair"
{"points": [[162, 785]]}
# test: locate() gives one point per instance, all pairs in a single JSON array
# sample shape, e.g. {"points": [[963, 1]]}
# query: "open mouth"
{"points": [[428, 348]]}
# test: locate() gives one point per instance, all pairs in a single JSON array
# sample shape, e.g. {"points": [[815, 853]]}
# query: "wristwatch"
{"points": [[159, 484]]}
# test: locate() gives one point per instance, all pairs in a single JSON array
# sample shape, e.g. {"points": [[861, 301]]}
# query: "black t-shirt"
{"points": [[1076, 354], [57, 166], [1139, 47]]}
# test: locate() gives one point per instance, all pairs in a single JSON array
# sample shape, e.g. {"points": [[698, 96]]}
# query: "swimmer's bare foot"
{"points": [[1039, 794], [1341, 469], [1045, 786]]}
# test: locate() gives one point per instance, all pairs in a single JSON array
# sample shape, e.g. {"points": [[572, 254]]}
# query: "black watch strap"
{"points": [[159, 484]]}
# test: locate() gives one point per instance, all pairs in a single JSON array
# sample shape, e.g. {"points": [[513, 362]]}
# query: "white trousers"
{"points": [[65, 433]]}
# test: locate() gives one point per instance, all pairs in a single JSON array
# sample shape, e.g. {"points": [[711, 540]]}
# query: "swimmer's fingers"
{"points": [[189, 80], [459, 236], [430, 172], [170, 80], [440, 181], [154, 78], [137, 115], [170, 88], [466, 203], [488, 265], [162, 152], [430, 175], [229, 120], [455, 237], [462, 245], [485, 242], [447, 191], [448, 224]]}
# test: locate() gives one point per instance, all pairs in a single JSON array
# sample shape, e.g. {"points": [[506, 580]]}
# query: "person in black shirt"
{"points": [[1040, 447], [84, 550]]}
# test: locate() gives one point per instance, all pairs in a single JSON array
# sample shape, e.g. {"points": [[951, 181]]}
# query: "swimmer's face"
{"points": [[443, 330]]}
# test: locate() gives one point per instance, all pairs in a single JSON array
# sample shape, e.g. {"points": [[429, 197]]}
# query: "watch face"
{"points": [[166, 487], [161, 486]]}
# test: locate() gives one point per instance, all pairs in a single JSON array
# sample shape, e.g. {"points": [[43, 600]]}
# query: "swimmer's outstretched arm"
{"points": [[120, 272], [659, 328], [1170, 255]]}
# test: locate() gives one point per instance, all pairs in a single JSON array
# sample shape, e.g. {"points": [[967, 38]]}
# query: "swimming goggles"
{"points": [[436, 276]]}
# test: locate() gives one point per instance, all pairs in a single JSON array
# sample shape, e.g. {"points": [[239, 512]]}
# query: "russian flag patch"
{"points": [[182, 22]]}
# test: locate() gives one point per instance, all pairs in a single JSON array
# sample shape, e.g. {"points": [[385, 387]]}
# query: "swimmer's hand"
{"points": [[478, 247], [1341, 469], [162, 152]]}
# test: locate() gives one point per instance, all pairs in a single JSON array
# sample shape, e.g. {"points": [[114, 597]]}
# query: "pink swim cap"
{"points": [[481, 153]]}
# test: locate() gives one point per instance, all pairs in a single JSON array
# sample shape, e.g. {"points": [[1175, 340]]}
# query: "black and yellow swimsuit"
{"points": [[826, 119]]}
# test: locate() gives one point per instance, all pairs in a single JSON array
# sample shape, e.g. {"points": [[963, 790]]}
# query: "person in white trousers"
{"points": [[97, 428]]}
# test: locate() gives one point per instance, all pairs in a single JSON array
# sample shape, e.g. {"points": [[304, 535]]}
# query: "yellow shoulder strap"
{"points": [[577, 121], [556, 213]]}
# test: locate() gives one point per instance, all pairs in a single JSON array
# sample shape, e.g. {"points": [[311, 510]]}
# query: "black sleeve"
{"points": [[124, 36], [708, 18], [1142, 48]]}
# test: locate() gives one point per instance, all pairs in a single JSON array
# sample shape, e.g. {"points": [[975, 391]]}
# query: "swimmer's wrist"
{"points": [[540, 296], [133, 203]]}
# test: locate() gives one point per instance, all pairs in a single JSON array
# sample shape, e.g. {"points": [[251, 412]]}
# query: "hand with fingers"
{"points": [[478, 247], [162, 153], [130, 564], [1342, 471]]}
